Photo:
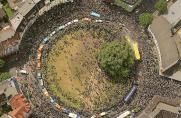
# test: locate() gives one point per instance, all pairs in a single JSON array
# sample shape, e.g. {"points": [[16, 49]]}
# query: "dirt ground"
{"points": [[72, 62]]}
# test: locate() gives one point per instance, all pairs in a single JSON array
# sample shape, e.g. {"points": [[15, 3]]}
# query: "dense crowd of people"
{"points": [[147, 71]]}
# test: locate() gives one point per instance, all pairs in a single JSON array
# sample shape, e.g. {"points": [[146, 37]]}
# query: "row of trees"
{"points": [[146, 19]]}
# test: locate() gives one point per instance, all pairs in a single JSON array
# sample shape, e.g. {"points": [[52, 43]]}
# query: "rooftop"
{"points": [[174, 14], [6, 32], [161, 107], [8, 88], [9, 46], [167, 45], [20, 106], [14, 3], [27, 6], [16, 20]]}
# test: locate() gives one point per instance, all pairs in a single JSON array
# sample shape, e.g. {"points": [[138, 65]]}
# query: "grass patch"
{"points": [[73, 73]]}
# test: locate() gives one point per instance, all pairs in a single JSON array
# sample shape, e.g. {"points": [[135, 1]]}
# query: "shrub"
{"points": [[4, 76], [116, 58], [161, 6], [145, 19], [2, 62]]}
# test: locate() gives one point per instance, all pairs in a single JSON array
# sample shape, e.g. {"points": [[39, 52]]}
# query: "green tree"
{"points": [[145, 19], [4, 76], [116, 59], [161, 6], [2, 62]]}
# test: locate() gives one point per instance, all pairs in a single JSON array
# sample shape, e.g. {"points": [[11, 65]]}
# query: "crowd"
{"points": [[149, 81]]}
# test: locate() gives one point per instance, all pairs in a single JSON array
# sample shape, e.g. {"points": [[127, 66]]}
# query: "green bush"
{"points": [[145, 19], [2, 62], [161, 6], [8, 10], [4, 76], [116, 59]]}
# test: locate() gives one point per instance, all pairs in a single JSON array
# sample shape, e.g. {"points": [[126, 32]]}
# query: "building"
{"points": [[14, 4], [128, 5], [9, 87], [10, 93], [25, 12], [161, 107], [20, 106], [168, 42], [9, 46]]}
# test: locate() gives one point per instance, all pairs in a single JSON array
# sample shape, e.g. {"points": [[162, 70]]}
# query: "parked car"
{"points": [[124, 114], [75, 20], [45, 40], [52, 100], [38, 64], [40, 48], [57, 106], [131, 93], [23, 72], [45, 92], [41, 82], [38, 56], [95, 14], [73, 115], [66, 111], [86, 19], [39, 75]]}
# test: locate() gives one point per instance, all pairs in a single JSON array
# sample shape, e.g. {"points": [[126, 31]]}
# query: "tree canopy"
{"points": [[145, 19], [116, 59], [2, 62], [161, 6], [4, 76]]}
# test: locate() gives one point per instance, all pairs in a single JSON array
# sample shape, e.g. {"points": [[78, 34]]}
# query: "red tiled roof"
{"points": [[20, 106]]}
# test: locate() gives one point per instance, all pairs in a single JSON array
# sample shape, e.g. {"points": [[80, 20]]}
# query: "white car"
{"points": [[76, 20], [61, 27], [103, 114], [73, 115], [124, 114], [99, 21], [39, 75], [69, 23], [41, 82], [23, 72]]}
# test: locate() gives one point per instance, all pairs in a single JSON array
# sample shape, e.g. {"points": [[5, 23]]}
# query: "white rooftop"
{"points": [[174, 13], [8, 88]]}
